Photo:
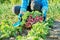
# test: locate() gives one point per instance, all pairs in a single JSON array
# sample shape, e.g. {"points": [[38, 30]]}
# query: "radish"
{"points": [[40, 18]]}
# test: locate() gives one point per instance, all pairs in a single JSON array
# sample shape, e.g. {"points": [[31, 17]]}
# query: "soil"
{"points": [[55, 32]]}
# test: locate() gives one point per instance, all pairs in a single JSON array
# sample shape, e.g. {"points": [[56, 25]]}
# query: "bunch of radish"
{"points": [[30, 21]]}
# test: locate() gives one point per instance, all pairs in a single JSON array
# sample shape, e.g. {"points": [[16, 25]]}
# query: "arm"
{"points": [[44, 8], [23, 9], [24, 5]]}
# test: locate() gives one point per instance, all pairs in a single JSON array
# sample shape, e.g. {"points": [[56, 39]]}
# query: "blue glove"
{"points": [[17, 24], [19, 21]]}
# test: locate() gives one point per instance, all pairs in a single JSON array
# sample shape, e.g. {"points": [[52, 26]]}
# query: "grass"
{"points": [[6, 13], [54, 9]]}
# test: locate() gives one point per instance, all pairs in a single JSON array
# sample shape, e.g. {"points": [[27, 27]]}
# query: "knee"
{"points": [[16, 9]]}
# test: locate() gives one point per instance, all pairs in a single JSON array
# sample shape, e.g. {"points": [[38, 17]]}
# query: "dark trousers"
{"points": [[17, 9], [36, 7]]}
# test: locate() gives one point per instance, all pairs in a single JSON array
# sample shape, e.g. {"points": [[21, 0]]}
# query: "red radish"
{"points": [[37, 17], [30, 16], [31, 20], [28, 25], [28, 20], [40, 18]]}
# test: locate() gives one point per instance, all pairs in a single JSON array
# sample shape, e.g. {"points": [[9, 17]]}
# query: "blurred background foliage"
{"points": [[10, 1]]}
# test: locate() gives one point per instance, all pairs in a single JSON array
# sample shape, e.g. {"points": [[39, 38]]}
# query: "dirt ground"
{"points": [[55, 32]]}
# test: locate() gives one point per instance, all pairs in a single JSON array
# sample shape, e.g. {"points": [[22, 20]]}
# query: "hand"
{"points": [[20, 14]]}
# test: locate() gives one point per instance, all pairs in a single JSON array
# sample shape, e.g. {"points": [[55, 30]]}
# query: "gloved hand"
{"points": [[19, 21]]}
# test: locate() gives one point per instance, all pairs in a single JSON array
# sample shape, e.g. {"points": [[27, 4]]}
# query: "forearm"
{"points": [[44, 10], [24, 5], [44, 7], [23, 9]]}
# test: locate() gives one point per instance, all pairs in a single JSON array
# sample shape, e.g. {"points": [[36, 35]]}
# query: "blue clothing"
{"points": [[25, 3], [44, 4]]}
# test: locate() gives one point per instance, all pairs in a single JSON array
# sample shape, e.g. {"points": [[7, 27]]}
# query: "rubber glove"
{"points": [[19, 21]]}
